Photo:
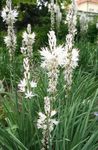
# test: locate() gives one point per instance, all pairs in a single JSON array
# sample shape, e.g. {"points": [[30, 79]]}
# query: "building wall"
{"points": [[88, 7]]}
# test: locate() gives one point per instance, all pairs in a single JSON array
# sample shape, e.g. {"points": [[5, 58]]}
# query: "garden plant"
{"points": [[48, 77]]}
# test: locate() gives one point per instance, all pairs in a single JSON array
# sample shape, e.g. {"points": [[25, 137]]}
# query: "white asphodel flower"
{"points": [[28, 36], [22, 85], [52, 57], [4, 13], [52, 40], [42, 121], [53, 53], [71, 53], [46, 122], [7, 40], [75, 58], [9, 16], [26, 49], [33, 84], [29, 94], [27, 42]]}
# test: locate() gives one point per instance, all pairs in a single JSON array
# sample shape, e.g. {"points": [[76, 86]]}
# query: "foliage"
{"points": [[77, 113]]}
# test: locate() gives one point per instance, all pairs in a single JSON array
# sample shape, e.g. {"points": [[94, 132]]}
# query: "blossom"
{"points": [[56, 14], [7, 40], [52, 58], [9, 16], [28, 41], [75, 58], [27, 37], [53, 54], [22, 85], [41, 3], [4, 13], [71, 53], [42, 121], [29, 94], [46, 122], [33, 84], [27, 84]]}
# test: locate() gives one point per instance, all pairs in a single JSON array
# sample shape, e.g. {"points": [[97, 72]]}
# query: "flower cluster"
{"points": [[27, 42], [52, 58], [71, 53], [51, 8], [9, 16], [54, 9], [26, 85], [46, 123], [41, 3]]}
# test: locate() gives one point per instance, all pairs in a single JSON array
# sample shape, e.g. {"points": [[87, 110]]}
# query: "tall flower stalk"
{"points": [[71, 53], [51, 9], [46, 122], [26, 85], [9, 16], [55, 14], [52, 59]]}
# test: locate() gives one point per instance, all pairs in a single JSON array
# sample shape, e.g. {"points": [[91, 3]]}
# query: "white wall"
{"points": [[88, 7]]}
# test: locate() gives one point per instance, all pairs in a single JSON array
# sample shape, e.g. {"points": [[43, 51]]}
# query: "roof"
{"points": [[84, 1]]}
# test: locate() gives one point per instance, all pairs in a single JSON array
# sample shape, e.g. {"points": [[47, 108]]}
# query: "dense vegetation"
{"points": [[77, 113]]}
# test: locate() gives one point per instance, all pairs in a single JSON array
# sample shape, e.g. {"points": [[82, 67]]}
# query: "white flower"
{"points": [[52, 58], [33, 84], [15, 14], [4, 13], [7, 40], [55, 122], [71, 54], [75, 58], [42, 121], [47, 105], [22, 85], [52, 40], [29, 94], [62, 6], [26, 49], [28, 37], [53, 113], [9, 15], [43, 118], [56, 56], [54, 53], [12, 16], [23, 50], [25, 36], [26, 64]]}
